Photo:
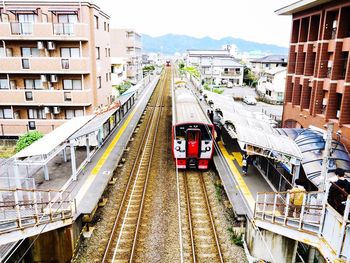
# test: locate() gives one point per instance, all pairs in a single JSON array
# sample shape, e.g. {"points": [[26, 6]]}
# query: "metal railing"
{"points": [[63, 29], [22, 208], [21, 28], [312, 216]]}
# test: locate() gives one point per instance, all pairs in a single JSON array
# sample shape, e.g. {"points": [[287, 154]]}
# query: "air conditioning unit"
{"points": [[43, 78], [56, 110], [324, 101], [51, 45], [47, 110], [53, 78], [330, 63], [40, 45], [338, 114]]}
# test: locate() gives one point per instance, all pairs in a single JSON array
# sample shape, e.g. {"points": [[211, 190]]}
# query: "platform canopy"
{"points": [[94, 124], [253, 132], [311, 144], [52, 140]]}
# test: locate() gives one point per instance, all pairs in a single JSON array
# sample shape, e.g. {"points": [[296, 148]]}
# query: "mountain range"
{"points": [[170, 44]]}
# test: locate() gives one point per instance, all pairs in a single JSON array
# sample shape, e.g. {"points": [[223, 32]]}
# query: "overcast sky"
{"points": [[253, 20]]}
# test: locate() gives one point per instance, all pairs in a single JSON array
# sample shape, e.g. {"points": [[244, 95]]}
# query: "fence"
{"points": [[312, 216], [20, 208]]}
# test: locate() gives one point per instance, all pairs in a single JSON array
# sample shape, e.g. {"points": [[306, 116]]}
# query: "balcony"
{"points": [[44, 65], [230, 74], [133, 42], [44, 31], [46, 97]]}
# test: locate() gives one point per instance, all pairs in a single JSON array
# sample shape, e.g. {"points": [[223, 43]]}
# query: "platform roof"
{"points": [[251, 130], [93, 125], [50, 141], [311, 144]]}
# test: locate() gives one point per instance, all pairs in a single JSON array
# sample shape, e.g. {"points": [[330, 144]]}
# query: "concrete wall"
{"points": [[284, 249]]}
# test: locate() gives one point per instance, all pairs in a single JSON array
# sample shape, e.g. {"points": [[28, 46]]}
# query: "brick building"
{"points": [[54, 63], [318, 76]]}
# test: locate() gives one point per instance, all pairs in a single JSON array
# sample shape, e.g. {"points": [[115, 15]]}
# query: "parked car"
{"points": [[250, 100]]}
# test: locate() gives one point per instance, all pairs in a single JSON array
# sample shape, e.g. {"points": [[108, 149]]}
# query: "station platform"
{"points": [[88, 189], [93, 177]]}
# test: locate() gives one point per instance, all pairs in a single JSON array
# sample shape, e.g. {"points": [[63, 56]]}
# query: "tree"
{"points": [[27, 139], [249, 78], [123, 87]]}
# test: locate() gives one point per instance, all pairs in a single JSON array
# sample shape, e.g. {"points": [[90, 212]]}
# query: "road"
{"points": [[240, 92]]}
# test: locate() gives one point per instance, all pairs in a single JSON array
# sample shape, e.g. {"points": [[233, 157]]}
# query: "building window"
{"points": [[4, 84], [106, 77], [25, 63], [36, 114], [70, 52], [96, 22], [6, 113], [67, 18], [105, 26], [99, 84], [72, 84], [108, 27], [97, 52], [30, 52], [67, 96], [109, 52], [106, 52], [69, 114], [32, 84]]}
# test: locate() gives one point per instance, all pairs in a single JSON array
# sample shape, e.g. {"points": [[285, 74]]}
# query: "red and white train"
{"points": [[192, 131]]}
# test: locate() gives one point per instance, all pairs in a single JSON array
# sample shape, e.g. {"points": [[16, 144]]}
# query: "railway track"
{"points": [[198, 237], [122, 241]]}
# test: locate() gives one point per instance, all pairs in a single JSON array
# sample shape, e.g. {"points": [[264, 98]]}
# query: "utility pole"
{"points": [[324, 171], [326, 155], [211, 77]]}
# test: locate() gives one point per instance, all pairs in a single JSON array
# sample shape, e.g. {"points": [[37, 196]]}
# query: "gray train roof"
{"points": [[187, 108]]}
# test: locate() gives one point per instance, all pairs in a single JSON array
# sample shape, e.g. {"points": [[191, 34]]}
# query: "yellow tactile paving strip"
{"points": [[241, 183]]}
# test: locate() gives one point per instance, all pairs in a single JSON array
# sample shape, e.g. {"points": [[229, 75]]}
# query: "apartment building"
{"points": [[126, 43], [318, 77], [54, 63], [217, 65]]}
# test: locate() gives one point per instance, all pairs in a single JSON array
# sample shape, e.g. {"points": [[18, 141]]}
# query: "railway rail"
{"points": [[198, 238], [122, 241]]}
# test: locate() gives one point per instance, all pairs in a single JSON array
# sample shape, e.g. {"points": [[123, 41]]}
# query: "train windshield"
{"points": [[180, 131]]}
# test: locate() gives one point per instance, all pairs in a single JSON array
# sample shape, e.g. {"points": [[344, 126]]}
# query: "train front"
{"points": [[192, 132]]}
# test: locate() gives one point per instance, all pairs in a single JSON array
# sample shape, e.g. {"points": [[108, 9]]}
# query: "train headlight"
{"points": [[177, 148], [207, 149]]}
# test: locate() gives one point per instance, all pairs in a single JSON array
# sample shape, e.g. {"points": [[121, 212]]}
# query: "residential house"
{"points": [[260, 65], [271, 85]]}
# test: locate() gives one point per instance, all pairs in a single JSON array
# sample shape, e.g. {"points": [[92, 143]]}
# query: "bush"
{"points": [[27, 139], [236, 238]]}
